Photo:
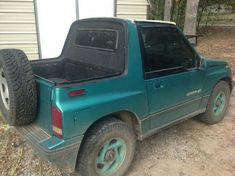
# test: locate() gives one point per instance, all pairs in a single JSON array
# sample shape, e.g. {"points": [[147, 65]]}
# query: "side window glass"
{"points": [[165, 49]]}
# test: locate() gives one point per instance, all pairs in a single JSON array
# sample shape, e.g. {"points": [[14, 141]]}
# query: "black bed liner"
{"points": [[63, 71]]}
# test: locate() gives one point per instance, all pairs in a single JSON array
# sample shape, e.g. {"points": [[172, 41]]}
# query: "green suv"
{"points": [[116, 81]]}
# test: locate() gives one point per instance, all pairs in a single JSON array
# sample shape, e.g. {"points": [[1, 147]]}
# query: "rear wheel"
{"points": [[108, 149], [218, 104]]}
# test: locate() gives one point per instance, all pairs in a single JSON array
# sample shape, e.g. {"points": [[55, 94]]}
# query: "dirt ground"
{"points": [[219, 43], [188, 149]]}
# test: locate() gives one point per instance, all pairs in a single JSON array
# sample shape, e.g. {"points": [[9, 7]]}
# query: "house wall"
{"points": [[17, 26], [95, 8], [54, 20], [54, 23], [132, 9]]}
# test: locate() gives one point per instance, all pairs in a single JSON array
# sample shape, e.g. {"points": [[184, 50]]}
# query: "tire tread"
{"points": [[22, 87]]}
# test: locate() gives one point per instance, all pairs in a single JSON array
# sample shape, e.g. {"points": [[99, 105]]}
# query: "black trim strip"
{"points": [[183, 118], [172, 108]]}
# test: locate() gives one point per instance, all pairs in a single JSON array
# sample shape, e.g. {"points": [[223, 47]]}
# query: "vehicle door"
{"points": [[173, 81]]}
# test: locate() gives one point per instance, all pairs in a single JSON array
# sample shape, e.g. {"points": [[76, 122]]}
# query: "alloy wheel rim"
{"points": [[219, 103], [4, 89], [110, 156]]}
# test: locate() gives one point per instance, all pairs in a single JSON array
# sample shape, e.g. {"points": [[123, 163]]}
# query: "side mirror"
{"points": [[192, 39], [200, 63]]}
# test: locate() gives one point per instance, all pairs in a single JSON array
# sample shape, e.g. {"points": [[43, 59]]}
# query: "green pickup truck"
{"points": [[116, 81]]}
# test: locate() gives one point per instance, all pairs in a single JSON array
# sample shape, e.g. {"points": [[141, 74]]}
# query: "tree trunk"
{"points": [[200, 14], [208, 16], [167, 10], [190, 22], [233, 9]]}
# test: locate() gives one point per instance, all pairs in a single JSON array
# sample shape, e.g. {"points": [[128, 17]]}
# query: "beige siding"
{"points": [[135, 9], [17, 26]]}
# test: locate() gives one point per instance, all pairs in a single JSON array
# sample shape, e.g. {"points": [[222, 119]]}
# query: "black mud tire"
{"points": [[20, 107], [96, 137], [209, 116]]}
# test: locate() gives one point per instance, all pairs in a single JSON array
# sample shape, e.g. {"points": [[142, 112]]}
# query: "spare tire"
{"points": [[18, 93]]}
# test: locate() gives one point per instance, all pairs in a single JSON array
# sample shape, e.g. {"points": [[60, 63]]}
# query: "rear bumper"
{"points": [[63, 153]]}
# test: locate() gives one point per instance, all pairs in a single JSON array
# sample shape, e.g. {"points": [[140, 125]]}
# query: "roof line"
{"points": [[156, 21]]}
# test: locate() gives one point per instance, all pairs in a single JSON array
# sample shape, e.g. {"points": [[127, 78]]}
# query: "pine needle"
{"points": [[18, 163]]}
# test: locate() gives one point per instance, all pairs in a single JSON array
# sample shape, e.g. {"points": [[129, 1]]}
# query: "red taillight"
{"points": [[56, 122], [77, 92]]}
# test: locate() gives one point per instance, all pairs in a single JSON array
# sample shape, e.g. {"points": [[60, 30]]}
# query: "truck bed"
{"points": [[62, 71], [92, 50]]}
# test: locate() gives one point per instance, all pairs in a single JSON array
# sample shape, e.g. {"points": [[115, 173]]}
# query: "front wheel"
{"points": [[217, 104], [108, 149]]}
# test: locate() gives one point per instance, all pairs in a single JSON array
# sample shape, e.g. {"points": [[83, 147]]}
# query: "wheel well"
{"points": [[229, 81], [129, 118], [126, 116]]}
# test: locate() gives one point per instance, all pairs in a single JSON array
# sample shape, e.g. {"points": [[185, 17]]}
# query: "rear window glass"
{"points": [[94, 38]]}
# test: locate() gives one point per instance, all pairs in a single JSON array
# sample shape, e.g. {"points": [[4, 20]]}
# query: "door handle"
{"points": [[158, 86]]}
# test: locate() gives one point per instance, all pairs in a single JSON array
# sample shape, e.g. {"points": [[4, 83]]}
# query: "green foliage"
{"points": [[178, 12], [208, 10], [156, 11]]}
